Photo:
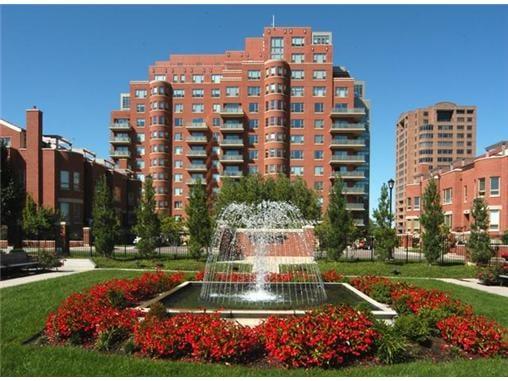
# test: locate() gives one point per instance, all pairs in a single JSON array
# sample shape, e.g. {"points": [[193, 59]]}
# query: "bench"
{"points": [[16, 260], [503, 278]]}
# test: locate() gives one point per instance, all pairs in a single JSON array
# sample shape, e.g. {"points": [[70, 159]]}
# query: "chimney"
{"points": [[34, 154]]}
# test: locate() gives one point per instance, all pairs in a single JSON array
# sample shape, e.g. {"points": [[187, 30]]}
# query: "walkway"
{"points": [[475, 284], [71, 266]]}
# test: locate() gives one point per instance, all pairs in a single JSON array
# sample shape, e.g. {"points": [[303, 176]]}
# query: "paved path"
{"points": [[71, 266], [475, 284]]}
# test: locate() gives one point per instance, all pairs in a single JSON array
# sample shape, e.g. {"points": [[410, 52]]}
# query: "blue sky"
{"points": [[73, 61]]}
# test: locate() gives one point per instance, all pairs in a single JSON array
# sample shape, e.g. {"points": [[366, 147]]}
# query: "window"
{"points": [[140, 138], [160, 77], [494, 219], [64, 210], [297, 171], [297, 91], [277, 48], [140, 93], [216, 78], [481, 187], [494, 186], [178, 164], [319, 91], [296, 123], [298, 41], [140, 150], [297, 57], [253, 139], [197, 78], [216, 107], [178, 191], [319, 58], [318, 185], [232, 91], [319, 123], [5, 141], [76, 184], [253, 75], [319, 139], [140, 164], [297, 74], [253, 107], [198, 107], [321, 38], [448, 220], [175, 77], [178, 177], [253, 123], [465, 193], [178, 107], [417, 202], [319, 74], [318, 155], [140, 123], [296, 107], [318, 171], [296, 154], [447, 196], [198, 93], [178, 204], [341, 92], [140, 107], [215, 93], [178, 150], [318, 107], [64, 180], [253, 91], [297, 139]]}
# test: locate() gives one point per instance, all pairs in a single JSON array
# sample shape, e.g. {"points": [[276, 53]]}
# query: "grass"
{"points": [[24, 309], [347, 268]]}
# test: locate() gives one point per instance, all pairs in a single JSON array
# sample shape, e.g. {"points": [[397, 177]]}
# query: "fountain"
{"points": [[262, 254]]}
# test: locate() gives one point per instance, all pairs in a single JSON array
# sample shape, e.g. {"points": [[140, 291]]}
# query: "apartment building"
{"points": [[485, 176], [61, 177], [277, 106], [430, 138]]}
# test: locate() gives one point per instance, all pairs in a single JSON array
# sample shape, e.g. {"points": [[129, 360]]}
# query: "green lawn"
{"points": [[24, 309], [347, 268]]}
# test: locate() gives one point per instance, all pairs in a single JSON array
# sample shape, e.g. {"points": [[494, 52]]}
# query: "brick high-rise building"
{"points": [[429, 138], [278, 106]]}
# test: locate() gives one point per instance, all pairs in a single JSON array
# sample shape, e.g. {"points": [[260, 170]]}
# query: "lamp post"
{"points": [[391, 183]]}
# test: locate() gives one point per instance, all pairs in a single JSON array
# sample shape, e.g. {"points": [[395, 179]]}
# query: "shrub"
{"points": [[48, 259], [110, 339], [327, 337], [200, 336], [489, 275], [475, 334], [413, 328], [392, 347], [157, 311], [332, 276], [381, 293]]}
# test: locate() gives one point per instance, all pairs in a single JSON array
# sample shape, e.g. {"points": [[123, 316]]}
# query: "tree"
{"points": [[171, 229], [12, 195], [147, 226], [432, 222], [39, 222], [199, 222], [337, 229], [479, 240], [105, 225], [384, 234], [504, 238], [305, 199]]}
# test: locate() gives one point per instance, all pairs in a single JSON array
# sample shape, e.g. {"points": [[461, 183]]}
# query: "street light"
{"points": [[391, 183]]}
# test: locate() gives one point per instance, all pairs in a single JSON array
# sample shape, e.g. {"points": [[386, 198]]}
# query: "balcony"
{"points": [[119, 153], [196, 153], [233, 174], [232, 127], [354, 190], [120, 140], [350, 175], [231, 112], [197, 168], [229, 158], [355, 206], [347, 159], [197, 139], [232, 143], [119, 127], [356, 113], [195, 181], [348, 127], [347, 143], [196, 126]]}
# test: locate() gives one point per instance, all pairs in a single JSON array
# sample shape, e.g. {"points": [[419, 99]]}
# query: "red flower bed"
{"points": [[332, 276], [204, 337], [328, 337], [83, 316], [199, 276], [366, 283], [415, 299], [279, 277], [475, 334]]}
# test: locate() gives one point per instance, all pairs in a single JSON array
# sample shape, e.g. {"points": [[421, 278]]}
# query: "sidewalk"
{"points": [[71, 266], [475, 284]]}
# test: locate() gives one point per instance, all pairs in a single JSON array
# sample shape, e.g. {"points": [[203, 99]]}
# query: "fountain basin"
{"points": [[185, 298]]}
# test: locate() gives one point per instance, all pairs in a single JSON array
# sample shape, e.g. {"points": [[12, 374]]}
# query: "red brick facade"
{"points": [[485, 176], [278, 106], [63, 178]]}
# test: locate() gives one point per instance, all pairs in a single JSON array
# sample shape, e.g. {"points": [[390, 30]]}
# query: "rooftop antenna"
{"points": [[273, 21]]}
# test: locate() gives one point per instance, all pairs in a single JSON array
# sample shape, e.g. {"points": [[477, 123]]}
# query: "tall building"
{"points": [[278, 106], [430, 138]]}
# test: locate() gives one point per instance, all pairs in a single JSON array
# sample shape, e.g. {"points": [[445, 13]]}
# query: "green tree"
{"points": [[432, 222], [384, 233], [305, 199], [171, 229], [105, 224], [504, 238], [39, 222], [337, 229], [199, 222], [479, 241], [12, 195], [147, 226]]}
